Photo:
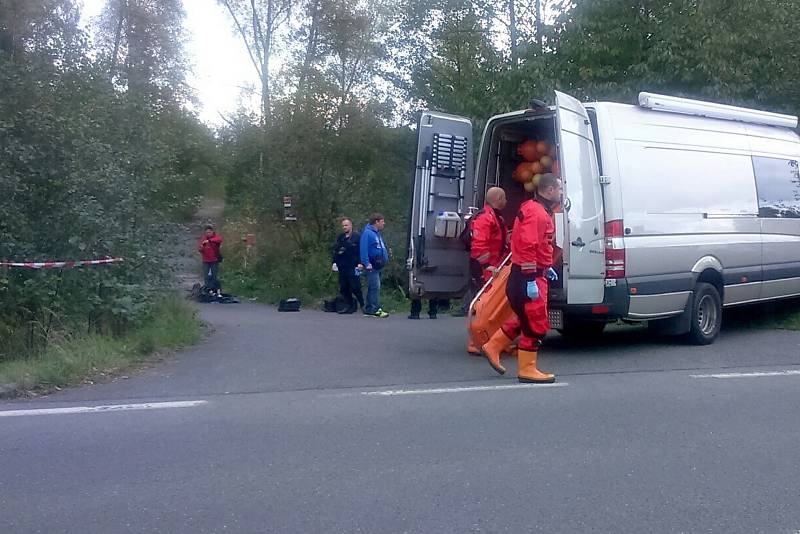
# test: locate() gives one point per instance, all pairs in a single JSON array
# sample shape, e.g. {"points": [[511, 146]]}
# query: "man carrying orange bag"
{"points": [[531, 271], [488, 244]]}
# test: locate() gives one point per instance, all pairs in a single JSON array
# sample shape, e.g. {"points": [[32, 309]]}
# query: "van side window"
{"points": [[593, 119], [778, 184]]}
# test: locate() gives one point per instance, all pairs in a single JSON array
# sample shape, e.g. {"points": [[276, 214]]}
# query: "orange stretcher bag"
{"points": [[490, 307]]}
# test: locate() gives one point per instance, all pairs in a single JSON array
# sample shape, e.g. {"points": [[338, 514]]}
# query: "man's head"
{"points": [[347, 225], [496, 198], [209, 230], [377, 220], [550, 188]]}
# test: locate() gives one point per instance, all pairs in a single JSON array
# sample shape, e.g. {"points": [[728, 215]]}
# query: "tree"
{"points": [[735, 51], [259, 24], [142, 43]]}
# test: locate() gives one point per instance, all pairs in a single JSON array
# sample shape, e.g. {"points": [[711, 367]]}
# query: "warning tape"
{"points": [[57, 264]]}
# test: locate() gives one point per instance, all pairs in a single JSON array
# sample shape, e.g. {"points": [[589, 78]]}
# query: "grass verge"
{"points": [[782, 315], [171, 324]]}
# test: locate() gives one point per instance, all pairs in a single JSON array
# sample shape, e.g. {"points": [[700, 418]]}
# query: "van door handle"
{"points": [[567, 204], [578, 243]]}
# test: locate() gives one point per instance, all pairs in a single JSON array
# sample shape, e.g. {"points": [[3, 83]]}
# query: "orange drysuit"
{"points": [[488, 246], [531, 257]]}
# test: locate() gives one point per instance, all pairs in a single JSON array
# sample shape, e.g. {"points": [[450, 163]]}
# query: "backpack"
{"points": [[335, 305], [289, 305], [466, 233]]}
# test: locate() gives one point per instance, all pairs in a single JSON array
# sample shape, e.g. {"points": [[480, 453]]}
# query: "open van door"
{"points": [[438, 262], [584, 240]]}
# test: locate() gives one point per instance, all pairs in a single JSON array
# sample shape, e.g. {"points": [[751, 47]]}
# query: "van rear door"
{"points": [[584, 239], [438, 262]]}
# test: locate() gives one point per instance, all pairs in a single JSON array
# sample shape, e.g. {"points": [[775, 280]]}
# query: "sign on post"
{"points": [[288, 210]]}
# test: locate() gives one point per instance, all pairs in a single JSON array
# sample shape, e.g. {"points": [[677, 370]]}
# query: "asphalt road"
{"points": [[314, 422]]}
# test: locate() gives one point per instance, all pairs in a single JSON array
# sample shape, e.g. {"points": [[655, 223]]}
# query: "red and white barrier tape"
{"points": [[57, 264]]}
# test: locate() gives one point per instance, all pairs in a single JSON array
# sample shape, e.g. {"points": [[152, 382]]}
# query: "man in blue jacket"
{"points": [[374, 257]]}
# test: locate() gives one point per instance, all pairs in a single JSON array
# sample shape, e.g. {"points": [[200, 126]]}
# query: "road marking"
{"points": [[397, 392], [749, 375], [102, 409]]}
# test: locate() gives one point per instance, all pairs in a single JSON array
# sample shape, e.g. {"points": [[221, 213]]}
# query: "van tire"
{"points": [[706, 315], [578, 329]]}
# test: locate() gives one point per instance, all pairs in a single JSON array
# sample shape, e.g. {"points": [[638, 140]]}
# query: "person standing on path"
{"points": [[209, 246], [346, 259], [374, 257], [531, 271]]}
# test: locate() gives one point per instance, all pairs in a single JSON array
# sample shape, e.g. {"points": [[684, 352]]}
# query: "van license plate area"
{"points": [[556, 319]]}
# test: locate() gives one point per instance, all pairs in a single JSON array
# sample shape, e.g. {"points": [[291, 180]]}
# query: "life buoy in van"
{"points": [[523, 173], [528, 150], [543, 147]]}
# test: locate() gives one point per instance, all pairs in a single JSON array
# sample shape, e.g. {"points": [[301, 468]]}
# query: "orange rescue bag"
{"points": [[490, 307]]}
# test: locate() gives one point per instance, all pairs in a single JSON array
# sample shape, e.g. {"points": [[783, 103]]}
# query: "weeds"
{"points": [[170, 324]]}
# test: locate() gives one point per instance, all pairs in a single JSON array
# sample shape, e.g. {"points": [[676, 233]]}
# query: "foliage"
{"points": [[360, 68], [87, 170]]}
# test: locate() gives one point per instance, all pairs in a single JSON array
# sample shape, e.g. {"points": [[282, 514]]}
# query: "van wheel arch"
{"points": [[713, 277]]}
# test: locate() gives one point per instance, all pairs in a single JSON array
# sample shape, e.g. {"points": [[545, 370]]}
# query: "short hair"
{"points": [[375, 217], [209, 227], [548, 180], [343, 219]]}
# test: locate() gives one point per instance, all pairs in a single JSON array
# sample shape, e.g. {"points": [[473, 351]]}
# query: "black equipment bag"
{"points": [[289, 305]]}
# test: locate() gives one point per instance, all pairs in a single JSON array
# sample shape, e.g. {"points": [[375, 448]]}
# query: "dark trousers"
{"points": [[210, 270], [349, 287], [433, 306], [532, 315]]}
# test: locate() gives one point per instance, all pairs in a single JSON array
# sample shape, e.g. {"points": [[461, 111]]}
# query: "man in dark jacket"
{"points": [[345, 261], [208, 246]]}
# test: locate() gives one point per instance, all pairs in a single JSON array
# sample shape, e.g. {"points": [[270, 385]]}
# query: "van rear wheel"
{"points": [[706, 318]]}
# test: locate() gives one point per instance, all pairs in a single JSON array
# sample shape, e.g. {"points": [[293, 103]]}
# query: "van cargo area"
{"points": [[521, 150]]}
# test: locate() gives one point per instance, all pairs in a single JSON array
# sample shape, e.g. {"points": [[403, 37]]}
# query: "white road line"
{"points": [[102, 409], [397, 392], [749, 375]]}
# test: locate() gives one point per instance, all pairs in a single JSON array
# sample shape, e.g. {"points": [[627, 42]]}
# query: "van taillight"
{"points": [[615, 250]]}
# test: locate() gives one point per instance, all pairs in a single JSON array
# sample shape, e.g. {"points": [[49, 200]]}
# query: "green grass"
{"points": [[783, 315], [170, 325]]}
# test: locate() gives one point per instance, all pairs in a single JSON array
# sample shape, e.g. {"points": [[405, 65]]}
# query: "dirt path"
{"points": [[187, 261]]}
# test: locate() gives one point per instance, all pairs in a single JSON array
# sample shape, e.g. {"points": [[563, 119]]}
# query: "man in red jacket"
{"points": [[209, 249], [531, 269], [488, 244]]}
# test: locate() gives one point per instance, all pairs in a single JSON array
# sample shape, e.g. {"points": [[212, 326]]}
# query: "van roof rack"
{"points": [[674, 104]]}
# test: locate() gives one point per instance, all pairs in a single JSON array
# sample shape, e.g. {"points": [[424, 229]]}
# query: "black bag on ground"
{"points": [[289, 305], [330, 305], [335, 305]]}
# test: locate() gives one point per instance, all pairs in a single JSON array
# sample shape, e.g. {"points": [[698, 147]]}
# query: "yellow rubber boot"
{"points": [[527, 371], [494, 348]]}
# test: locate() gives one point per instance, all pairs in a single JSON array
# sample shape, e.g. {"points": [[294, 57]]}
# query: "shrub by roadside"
{"points": [[170, 324]]}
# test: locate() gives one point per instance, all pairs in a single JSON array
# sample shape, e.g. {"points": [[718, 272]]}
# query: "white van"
{"points": [[673, 209]]}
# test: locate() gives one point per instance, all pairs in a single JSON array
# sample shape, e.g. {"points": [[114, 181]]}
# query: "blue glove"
{"points": [[551, 274], [532, 290]]}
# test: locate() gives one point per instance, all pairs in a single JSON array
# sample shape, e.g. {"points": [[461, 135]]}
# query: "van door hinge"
{"points": [[605, 180]]}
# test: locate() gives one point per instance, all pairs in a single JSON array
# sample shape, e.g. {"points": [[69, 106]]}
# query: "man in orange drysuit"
{"points": [[531, 269], [488, 246]]}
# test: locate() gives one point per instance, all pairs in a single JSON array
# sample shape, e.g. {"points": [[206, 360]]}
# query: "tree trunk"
{"points": [[121, 5], [311, 49], [512, 29], [539, 39]]}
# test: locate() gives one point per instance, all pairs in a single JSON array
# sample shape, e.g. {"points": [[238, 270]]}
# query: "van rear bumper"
{"points": [[615, 305]]}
